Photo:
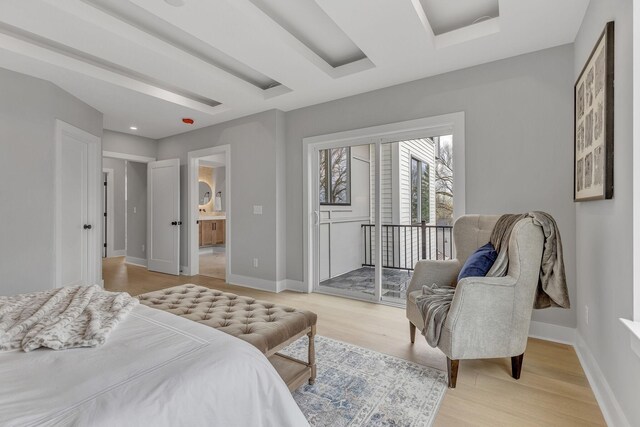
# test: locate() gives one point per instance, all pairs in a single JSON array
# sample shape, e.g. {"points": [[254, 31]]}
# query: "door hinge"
{"points": [[105, 245], [105, 214], [105, 183]]}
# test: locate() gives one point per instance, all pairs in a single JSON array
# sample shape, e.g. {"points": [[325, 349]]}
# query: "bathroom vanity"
{"points": [[212, 230]]}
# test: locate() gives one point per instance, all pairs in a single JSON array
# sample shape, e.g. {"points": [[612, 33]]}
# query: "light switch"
{"points": [[257, 209]]}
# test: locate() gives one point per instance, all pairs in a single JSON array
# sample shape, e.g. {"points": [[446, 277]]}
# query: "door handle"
{"points": [[87, 227], [179, 222], [174, 222]]}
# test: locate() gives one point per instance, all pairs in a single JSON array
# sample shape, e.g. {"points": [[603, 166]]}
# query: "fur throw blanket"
{"points": [[62, 318]]}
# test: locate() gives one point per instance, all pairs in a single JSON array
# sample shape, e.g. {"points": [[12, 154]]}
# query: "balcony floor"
{"points": [[394, 282]]}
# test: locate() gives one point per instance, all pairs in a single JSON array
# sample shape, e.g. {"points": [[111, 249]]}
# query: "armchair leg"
{"points": [[412, 332], [452, 370], [516, 366]]}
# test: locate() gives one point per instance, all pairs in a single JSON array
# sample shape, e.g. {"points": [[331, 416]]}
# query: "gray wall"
{"points": [[518, 142], [128, 144], [28, 110], [253, 182], [136, 201], [604, 228], [119, 206]]}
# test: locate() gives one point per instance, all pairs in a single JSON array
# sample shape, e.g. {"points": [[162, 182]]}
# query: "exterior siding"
{"points": [[395, 203]]}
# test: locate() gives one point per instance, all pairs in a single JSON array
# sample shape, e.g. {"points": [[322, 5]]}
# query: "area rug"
{"points": [[359, 387]]}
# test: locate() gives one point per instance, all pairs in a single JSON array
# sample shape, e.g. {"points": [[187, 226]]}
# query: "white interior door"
{"points": [[78, 226], [163, 216]]}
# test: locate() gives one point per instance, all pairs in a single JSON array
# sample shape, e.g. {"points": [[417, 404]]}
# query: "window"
{"points": [[420, 195], [335, 176]]}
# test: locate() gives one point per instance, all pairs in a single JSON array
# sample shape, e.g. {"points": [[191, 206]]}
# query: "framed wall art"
{"points": [[593, 123]]}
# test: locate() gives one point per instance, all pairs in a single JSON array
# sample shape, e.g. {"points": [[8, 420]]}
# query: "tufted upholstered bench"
{"points": [[268, 326]]}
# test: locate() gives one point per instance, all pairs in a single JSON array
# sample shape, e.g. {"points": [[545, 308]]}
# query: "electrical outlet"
{"points": [[255, 263], [257, 209], [135, 210], [586, 314], [142, 248]]}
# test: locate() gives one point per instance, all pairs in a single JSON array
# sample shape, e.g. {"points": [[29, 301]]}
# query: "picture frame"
{"points": [[593, 122]]}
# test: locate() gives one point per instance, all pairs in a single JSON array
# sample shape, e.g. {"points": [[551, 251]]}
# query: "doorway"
{"points": [[125, 208], [373, 200], [210, 212], [107, 212], [212, 216]]}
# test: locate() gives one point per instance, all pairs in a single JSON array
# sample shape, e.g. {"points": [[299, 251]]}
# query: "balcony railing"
{"points": [[404, 245]]}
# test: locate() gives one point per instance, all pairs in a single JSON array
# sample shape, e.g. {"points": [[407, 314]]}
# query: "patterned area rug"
{"points": [[360, 387]]}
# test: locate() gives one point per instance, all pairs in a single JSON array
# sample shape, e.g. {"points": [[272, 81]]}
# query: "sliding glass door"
{"points": [[377, 213]]}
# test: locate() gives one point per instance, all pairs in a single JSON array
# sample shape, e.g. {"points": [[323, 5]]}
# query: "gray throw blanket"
{"points": [[62, 318], [552, 284], [552, 290]]}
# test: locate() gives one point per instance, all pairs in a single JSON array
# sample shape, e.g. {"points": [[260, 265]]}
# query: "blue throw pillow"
{"points": [[479, 263]]}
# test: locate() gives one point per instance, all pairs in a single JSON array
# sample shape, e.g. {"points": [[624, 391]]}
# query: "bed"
{"points": [[156, 369]]}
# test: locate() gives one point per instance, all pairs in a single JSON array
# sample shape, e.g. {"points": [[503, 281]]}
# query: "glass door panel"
{"points": [[345, 224]]}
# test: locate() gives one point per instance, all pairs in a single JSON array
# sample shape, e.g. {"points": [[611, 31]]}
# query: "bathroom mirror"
{"points": [[205, 193]]}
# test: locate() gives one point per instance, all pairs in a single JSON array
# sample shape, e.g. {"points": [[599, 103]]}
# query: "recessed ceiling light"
{"points": [[176, 3], [133, 128]]}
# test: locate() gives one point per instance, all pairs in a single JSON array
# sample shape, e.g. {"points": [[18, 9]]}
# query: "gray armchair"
{"points": [[489, 316]]}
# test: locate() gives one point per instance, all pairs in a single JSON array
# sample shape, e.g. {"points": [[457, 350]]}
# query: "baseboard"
{"points": [[256, 283], [141, 262], [611, 409], [555, 333], [185, 270], [295, 285], [120, 252]]}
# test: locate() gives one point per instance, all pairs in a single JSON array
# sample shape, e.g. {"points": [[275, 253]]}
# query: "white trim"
{"points": [[185, 270], [446, 124], [140, 262], [193, 213], [295, 285], [611, 409], [130, 157], [634, 335], [117, 253], [94, 208], [256, 283], [110, 212], [635, 199], [550, 332]]}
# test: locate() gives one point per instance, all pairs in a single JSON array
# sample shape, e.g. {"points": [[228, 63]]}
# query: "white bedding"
{"points": [[156, 369]]}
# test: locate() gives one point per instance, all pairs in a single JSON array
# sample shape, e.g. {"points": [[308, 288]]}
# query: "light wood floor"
{"points": [[213, 264], [552, 391]]}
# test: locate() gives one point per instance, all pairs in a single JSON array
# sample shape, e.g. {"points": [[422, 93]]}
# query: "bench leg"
{"points": [[412, 332], [312, 354]]}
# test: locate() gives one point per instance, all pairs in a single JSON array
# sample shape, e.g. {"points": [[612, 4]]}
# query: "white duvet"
{"points": [[156, 369]]}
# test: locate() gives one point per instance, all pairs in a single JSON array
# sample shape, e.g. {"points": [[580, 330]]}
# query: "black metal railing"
{"points": [[404, 245]]}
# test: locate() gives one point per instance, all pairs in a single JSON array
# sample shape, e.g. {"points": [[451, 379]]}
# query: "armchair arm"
{"points": [[481, 319], [428, 272]]}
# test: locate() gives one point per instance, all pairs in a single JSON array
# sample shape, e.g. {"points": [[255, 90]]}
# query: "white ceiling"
{"points": [[149, 64]]}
